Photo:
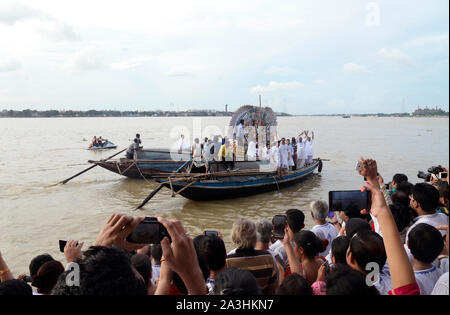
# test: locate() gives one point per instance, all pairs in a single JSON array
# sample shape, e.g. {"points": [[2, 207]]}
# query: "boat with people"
{"points": [[101, 144], [230, 185]]}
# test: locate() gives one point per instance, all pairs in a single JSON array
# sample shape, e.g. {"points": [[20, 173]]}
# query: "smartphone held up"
{"points": [[149, 231]]}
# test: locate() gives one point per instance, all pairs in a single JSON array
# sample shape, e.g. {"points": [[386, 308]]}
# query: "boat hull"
{"points": [[241, 186]]}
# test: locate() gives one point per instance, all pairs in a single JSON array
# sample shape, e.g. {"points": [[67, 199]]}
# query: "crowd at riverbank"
{"points": [[399, 246]]}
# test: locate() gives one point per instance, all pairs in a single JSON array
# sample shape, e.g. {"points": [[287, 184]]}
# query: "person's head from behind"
{"points": [[295, 221], [143, 266], [344, 280], [398, 179], [308, 245], [366, 248], [425, 243], [400, 197], [15, 287], [243, 234], [424, 199], [294, 284], [264, 231], [405, 187], [242, 121], [138, 136], [401, 214], [47, 276], [37, 263], [339, 248], [213, 251], [353, 210], [355, 225], [156, 251], [103, 271], [319, 210], [235, 282]]}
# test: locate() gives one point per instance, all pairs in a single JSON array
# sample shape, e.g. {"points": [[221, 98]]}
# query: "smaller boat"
{"points": [[105, 145], [346, 116]]}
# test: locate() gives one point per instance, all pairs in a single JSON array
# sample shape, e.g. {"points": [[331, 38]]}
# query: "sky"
{"points": [[302, 56]]}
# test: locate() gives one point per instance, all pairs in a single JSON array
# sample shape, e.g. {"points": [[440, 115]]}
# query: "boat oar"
{"points": [[76, 175], [150, 196]]}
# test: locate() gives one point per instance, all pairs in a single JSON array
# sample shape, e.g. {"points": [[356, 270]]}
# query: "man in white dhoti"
{"points": [[251, 153], [309, 149], [301, 153], [283, 157]]}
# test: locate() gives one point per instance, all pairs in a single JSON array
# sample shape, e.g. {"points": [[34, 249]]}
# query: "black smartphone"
{"points": [[349, 201], [149, 231], [211, 233], [443, 175], [279, 224], [62, 245]]}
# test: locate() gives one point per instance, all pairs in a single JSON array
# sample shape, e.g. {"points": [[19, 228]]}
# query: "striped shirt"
{"points": [[259, 263]]}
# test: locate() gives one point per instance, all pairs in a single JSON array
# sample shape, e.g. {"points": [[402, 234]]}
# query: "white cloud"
{"points": [[84, 60], [442, 40], [355, 69], [12, 13], [10, 65], [319, 82], [395, 56], [276, 87]]}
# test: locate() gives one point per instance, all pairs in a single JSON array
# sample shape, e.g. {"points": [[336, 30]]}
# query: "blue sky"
{"points": [[303, 57]]}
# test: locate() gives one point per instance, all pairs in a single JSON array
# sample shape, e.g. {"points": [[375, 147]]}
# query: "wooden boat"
{"points": [[151, 164], [105, 145], [228, 185]]}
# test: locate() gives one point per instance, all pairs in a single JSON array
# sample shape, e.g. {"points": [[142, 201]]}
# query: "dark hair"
{"points": [[103, 271], [401, 215], [405, 187], [400, 178], [427, 196], [178, 282], [236, 282], [294, 284], [15, 287], [443, 189], [37, 262], [213, 251], [353, 211], [344, 280], [47, 276], [295, 220], [355, 225], [156, 251], [311, 244], [400, 197], [138, 135], [367, 247], [339, 248], [143, 265], [425, 242]]}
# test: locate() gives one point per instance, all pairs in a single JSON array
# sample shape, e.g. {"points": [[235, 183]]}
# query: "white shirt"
{"points": [[326, 231], [427, 279], [435, 220], [283, 155], [301, 150], [156, 269], [240, 131], [309, 148], [441, 287]]}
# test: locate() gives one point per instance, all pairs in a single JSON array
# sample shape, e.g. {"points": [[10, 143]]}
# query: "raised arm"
{"points": [[5, 273], [402, 273]]}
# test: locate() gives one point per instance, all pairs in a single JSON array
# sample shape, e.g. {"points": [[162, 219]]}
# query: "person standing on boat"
{"points": [[132, 148], [309, 148], [301, 152], [197, 150], [283, 157], [291, 154], [225, 154], [208, 157]]}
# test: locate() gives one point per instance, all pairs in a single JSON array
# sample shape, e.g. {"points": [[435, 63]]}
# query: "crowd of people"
{"points": [[399, 246], [287, 154]]}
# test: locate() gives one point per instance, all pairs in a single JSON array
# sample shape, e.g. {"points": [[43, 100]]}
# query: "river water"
{"points": [[39, 152]]}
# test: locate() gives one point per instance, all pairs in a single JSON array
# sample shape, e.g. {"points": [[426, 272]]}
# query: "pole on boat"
{"points": [[150, 196], [76, 175]]}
